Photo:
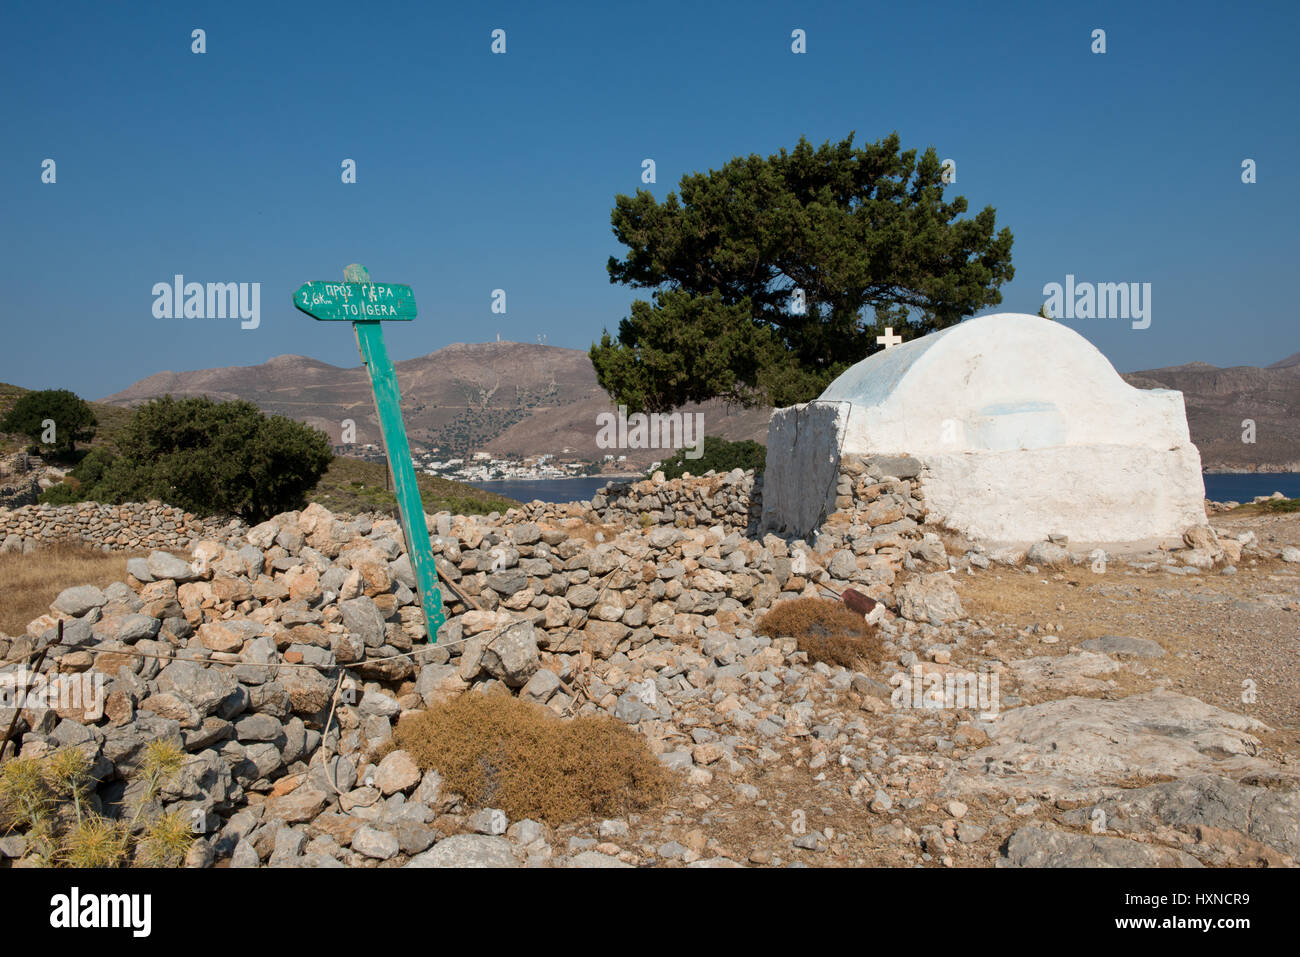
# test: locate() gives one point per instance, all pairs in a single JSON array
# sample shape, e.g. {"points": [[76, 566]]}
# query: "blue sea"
{"points": [[1244, 486], [549, 490], [1228, 487]]}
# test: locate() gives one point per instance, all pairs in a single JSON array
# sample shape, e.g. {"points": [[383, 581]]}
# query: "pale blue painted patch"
{"points": [[1017, 425], [875, 378], [1012, 408]]}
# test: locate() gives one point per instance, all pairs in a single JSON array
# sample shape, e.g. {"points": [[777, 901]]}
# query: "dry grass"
{"points": [[505, 753], [28, 583], [351, 485], [825, 630]]}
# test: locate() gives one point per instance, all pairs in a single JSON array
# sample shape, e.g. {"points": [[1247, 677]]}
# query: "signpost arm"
{"points": [[383, 379]]}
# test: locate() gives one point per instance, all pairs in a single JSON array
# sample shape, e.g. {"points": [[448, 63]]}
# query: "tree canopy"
{"points": [[771, 276], [213, 458], [74, 420]]}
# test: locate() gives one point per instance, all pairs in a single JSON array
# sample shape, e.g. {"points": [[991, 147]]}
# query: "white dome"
{"points": [[1023, 429], [1000, 382]]}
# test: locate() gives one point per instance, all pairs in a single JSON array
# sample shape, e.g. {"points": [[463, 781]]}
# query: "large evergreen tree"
{"points": [[864, 234]]}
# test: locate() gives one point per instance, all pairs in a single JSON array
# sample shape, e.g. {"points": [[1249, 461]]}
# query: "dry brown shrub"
{"points": [[826, 630], [518, 756]]}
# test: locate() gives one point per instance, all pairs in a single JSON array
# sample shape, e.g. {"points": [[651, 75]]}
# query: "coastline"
{"points": [[620, 477], [1289, 468]]}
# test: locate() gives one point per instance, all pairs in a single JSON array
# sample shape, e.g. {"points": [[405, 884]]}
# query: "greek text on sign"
{"points": [[356, 301]]}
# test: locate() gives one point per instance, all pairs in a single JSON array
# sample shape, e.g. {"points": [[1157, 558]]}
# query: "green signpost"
{"points": [[366, 304], [356, 301]]}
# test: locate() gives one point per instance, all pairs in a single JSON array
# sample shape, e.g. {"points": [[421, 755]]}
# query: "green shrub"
{"points": [[213, 457], [81, 482], [90, 470], [65, 493], [720, 456]]}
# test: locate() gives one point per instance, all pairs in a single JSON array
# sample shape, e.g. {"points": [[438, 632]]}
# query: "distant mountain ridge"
{"points": [[1221, 404], [507, 397], [1290, 362], [525, 399]]}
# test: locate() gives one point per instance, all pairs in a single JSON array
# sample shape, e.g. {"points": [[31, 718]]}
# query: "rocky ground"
{"points": [[1130, 712]]}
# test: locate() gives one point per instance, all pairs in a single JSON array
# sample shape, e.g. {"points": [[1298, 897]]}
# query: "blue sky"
{"points": [[478, 171]]}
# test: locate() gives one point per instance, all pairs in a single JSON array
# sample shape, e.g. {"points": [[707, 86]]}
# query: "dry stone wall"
{"points": [[17, 491], [110, 527], [20, 480], [732, 500]]}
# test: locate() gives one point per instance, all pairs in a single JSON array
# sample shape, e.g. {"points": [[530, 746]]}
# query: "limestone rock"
{"points": [[1046, 847], [1077, 748], [1269, 817], [1072, 673], [467, 850], [78, 600], [930, 598], [380, 845], [165, 565], [1048, 554], [1122, 646], [396, 772], [512, 656]]}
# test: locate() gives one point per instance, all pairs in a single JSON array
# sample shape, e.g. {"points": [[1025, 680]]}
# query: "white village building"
{"points": [[1022, 429]]}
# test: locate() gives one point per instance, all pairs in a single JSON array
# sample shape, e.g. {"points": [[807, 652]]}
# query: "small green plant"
{"points": [[68, 775], [47, 800], [1280, 505], [165, 841], [25, 795], [162, 759], [718, 455], [94, 842]]}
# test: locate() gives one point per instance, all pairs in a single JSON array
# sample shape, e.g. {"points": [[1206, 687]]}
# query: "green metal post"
{"points": [[388, 403]]}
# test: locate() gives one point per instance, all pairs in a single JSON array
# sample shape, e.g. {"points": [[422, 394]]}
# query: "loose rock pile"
{"points": [[281, 656]]}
